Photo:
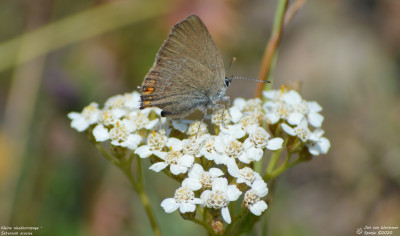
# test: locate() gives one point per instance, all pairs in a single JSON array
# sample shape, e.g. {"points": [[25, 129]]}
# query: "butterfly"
{"points": [[188, 72]]}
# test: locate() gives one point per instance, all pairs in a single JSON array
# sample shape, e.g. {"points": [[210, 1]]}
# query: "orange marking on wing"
{"points": [[149, 90]]}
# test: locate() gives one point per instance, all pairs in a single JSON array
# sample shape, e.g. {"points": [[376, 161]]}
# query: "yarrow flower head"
{"points": [[204, 155]]}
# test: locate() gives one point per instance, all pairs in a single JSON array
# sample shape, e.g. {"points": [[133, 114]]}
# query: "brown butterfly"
{"points": [[188, 72]]}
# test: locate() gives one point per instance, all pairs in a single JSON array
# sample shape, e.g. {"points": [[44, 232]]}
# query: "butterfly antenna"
{"points": [[247, 78], [230, 63]]}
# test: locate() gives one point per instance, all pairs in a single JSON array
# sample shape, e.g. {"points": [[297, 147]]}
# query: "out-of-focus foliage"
{"points": [[345, 53]]}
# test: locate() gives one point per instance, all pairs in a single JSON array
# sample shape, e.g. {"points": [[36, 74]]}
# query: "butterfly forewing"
{"points": [[185, 67]]}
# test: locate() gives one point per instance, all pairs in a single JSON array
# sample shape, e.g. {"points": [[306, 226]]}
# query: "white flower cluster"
{"points": [[296, 114], [212, 164]]}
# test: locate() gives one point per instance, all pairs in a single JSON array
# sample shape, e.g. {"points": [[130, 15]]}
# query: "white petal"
{"points": [[240, 103], [179, 125], [175, 143], [314, 149], [205, 195], [159, 166], [192, 183], [225, 215], [292, 97], [220, 184], [275, 143], [315, 119], [295, 118], [118, 113], [255, 153], [219, 144], [232, 193], [187, 207], [100, 133], [160, 154], [80, 124], [186, 160], [215, 172], [244, 157], [247, 144], [270, 94], [234, 131], [258, 208], [289, 130], [169, 205], [133, 141], [177, 169], [233, 169], [74, 115], [151, 124], [272, 117], [314, 107], [196, 171], [318, 133], [143, 151], [260, 187], [235, 114], [197, 201], [324, 145]]}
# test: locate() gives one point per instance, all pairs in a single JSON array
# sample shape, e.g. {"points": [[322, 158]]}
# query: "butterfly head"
{"points": [[227, 81]]}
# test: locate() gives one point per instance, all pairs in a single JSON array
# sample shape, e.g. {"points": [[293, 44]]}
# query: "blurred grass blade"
{"points": [[76, 28]]}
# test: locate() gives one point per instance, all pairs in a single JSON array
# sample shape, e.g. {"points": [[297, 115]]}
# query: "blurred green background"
{"points": [[57, 56]]}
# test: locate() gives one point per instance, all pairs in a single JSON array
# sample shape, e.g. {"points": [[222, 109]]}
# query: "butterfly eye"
{"points": [[227, 81]]}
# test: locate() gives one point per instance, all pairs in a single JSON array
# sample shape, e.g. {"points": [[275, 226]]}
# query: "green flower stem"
{"points": [[234, 221], [107, 155], [205, 225], [140, 170], [125, 166], [281, 169]]}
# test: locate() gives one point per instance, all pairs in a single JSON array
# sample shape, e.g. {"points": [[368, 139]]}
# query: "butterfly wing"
{"points": [[188, 72]]}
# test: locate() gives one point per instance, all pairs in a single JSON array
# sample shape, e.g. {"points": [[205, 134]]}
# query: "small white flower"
{"points": [[100, 133], [116, 104], [252, 198], [132, 100], [208, 149], [301, 130], [314, 118], [108, 117], [184, 199], [220, 195], [229, 148], [192, 146], [276, 110], [217, 118], [120, 134], [198, 178], [141, 120], [156, 141], [176, 160], [259, 139], [318, 144], [248, 122], [302, 109], [236, 131], [236, 114], [239, 103], [89, 116], [245, 175], [252, 105], [197, 128]]}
